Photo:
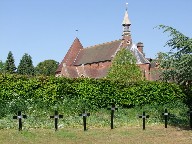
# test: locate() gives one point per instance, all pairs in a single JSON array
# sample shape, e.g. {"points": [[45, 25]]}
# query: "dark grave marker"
{"points": [[166, 114], [84, 115], [113, 108], [190, 118], [19, 117], [144, 117], [56, 116]]}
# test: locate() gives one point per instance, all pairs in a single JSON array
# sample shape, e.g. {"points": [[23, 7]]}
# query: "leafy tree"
{"points": [[47, 67], [26, 65], [177, 64], [124, 67], [9, 66], [161, 57], [2, 66]]}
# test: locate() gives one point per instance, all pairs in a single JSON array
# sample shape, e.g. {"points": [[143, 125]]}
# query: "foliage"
{"points": [[38, 97], [177, 64], [47, 68], [10, 64], [2, 64], [124, 67], [18, 92], [26, 66]]}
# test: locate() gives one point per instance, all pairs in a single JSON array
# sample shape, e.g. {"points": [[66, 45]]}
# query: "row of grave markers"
{"points": [[56, 117]]}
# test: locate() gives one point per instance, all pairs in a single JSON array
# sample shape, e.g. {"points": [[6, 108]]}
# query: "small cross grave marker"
{"points": [[166, 115], [84, 115], [19, 116], [56, 116], [144, 117], [112, 108], [190, 118]]}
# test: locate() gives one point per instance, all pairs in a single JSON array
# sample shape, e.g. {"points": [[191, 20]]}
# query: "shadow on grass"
{"points": [[182, 123]]}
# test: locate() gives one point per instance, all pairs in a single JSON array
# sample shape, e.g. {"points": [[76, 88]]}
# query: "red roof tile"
{"points": [[71, 54], [97, 53]]}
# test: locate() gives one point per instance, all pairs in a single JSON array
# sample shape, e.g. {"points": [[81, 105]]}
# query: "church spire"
{"points": [[126, 31], [126, 22]]}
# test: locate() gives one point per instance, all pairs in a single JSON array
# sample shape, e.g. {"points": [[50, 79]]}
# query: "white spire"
{"points": [[126, 20]]}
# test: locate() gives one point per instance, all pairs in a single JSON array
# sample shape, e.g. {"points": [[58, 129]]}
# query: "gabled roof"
{"points": [[139, 56], [71, 54], [97, 53]]}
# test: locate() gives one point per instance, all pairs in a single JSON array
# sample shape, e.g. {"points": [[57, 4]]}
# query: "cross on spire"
{"points": [[126, 6]]}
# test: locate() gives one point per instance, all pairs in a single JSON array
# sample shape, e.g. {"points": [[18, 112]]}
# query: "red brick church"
{"points": [[95, 61]]}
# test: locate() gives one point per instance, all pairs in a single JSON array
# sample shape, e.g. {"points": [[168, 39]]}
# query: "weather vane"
{"points": [[126, 6], [77, 32]]}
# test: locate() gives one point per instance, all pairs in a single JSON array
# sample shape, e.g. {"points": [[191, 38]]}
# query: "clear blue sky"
{"points": [[45, 29]]}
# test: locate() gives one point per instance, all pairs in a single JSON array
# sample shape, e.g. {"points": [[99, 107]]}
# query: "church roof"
{"points": [[97, 53], [71, 54], [139, 56]]}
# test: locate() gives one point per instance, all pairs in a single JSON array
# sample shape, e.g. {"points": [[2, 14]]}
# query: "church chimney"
{"points": [[140, 47]]}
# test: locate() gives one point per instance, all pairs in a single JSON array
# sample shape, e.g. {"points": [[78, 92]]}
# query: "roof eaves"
{"points": [[92, 62]]}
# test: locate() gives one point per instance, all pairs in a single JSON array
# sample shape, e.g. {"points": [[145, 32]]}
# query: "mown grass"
{"points": [[125, 135], [39, 128]]}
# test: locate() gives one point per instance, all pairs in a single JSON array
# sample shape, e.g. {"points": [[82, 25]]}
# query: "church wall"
{"points": [[149, 74], [145, 68], [155, 74]]}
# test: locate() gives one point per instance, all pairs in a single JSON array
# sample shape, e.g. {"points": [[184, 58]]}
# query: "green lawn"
{"points": [[156, 134]]}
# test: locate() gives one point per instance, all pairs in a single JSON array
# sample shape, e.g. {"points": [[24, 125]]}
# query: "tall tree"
{"points": [[124, 67], [2, 64], [47, 68], [177, 64], [26, 65], [10, 64]]}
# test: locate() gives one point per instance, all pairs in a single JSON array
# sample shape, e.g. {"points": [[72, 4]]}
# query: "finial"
{"points": [[126, 6], [77, 33]]}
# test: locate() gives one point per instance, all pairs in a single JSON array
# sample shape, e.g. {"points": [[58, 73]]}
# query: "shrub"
{"points": [[90, 93]]}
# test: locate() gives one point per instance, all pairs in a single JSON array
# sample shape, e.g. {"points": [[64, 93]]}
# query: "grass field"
{"points": [[123, 135], [38, 128]]}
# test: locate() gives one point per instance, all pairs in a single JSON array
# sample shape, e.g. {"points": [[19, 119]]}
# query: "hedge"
{"points": [[92, 93]]}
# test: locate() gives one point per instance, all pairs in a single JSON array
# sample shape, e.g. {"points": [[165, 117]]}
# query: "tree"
{"points": [[9, 66], [177, 64], [124, 67], [2, 66], [47, 68], [26, 66]]}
